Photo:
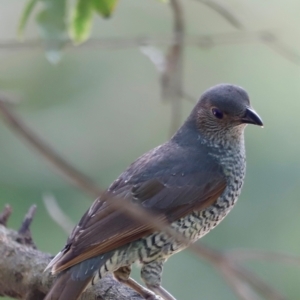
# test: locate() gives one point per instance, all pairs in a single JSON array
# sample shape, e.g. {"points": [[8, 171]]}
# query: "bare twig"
{"points": [[24, 232], [188, 97], [5, 214], [245, 254], [241, 288], [68, 171], [57, 214], [280, 48], [267, 36], [172, 77], [10, 97], [222, 10], [257, 283], [25, 227], [203, 41], [120, 43]]}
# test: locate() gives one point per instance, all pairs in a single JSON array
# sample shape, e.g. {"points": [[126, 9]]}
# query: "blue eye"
{"points": [[217, 113]]}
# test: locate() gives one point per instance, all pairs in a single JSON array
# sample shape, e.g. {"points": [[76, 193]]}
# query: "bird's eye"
{"points": [[217, 113]]}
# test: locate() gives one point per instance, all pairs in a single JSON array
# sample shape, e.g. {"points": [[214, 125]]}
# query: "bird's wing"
{"points": [[170, 195]]}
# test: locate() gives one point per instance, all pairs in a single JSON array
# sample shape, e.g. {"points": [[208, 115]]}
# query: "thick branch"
{"points": [[22, 274]]}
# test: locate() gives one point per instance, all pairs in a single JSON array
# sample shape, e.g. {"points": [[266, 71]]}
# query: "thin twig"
{"points": [[25, 227], [241, 288], [57, 214], [203, 41], [68, 171], [5, 214], [172, 77], [224, 12], [280, 48], [258, 284], [24, 233], [120, 43], [188, 97], [244, 255]]}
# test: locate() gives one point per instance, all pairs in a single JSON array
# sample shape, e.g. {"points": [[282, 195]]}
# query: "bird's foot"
{"points": [[152, 296]]}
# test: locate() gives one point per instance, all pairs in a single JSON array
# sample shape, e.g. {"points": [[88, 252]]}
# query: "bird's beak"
{"points": [[251, 117]]}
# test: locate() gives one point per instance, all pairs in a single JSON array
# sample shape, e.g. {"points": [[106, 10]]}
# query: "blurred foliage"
{"points": [[101, 109], [53, 16], [82, 20], [105, 7], [25, 15]]}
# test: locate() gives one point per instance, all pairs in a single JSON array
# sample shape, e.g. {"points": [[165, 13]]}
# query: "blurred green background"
{"points": [[101, 109]]}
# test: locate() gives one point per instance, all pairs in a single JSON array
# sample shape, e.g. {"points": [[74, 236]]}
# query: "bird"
{"points": [[191, 182]]}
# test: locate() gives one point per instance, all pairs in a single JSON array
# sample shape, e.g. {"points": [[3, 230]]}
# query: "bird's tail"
{"points": [[66, 288], [72, 282]]}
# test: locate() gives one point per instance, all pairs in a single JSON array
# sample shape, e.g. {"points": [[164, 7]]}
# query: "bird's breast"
{"points": [[196, 224], [199, 223], [160, 245]]}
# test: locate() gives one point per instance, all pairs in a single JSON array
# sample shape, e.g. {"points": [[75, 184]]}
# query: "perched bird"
{"points": [[192, 182]]}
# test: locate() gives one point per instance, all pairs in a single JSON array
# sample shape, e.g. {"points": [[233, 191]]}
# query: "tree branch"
{"points": [[172, 77], [202, 41], [22, 266], [22, 274], [4, 216], [70, 173], [222, 10]]}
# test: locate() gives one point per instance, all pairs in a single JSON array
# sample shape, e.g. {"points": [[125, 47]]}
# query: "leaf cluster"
{"points": [[58, 19]]}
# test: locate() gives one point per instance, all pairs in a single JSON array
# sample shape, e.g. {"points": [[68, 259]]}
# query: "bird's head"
{"points": [[224, 108]]}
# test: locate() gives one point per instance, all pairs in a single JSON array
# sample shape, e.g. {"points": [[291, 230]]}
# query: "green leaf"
{"points": [[25, 16], [81, 23], [105, 7], [52, 26]]}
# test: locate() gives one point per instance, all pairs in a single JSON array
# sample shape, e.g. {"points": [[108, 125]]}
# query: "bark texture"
{"points": [[22, 273]]}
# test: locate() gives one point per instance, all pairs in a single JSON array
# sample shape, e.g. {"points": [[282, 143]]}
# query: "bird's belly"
{"points": [[194, 226], [160, 245]]}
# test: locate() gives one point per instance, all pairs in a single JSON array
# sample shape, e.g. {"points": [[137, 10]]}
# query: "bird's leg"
{"points": [[151, 275], [122, 275]]}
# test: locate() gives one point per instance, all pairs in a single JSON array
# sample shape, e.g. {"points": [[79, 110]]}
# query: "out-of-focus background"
{"points": [[101, 108]]}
